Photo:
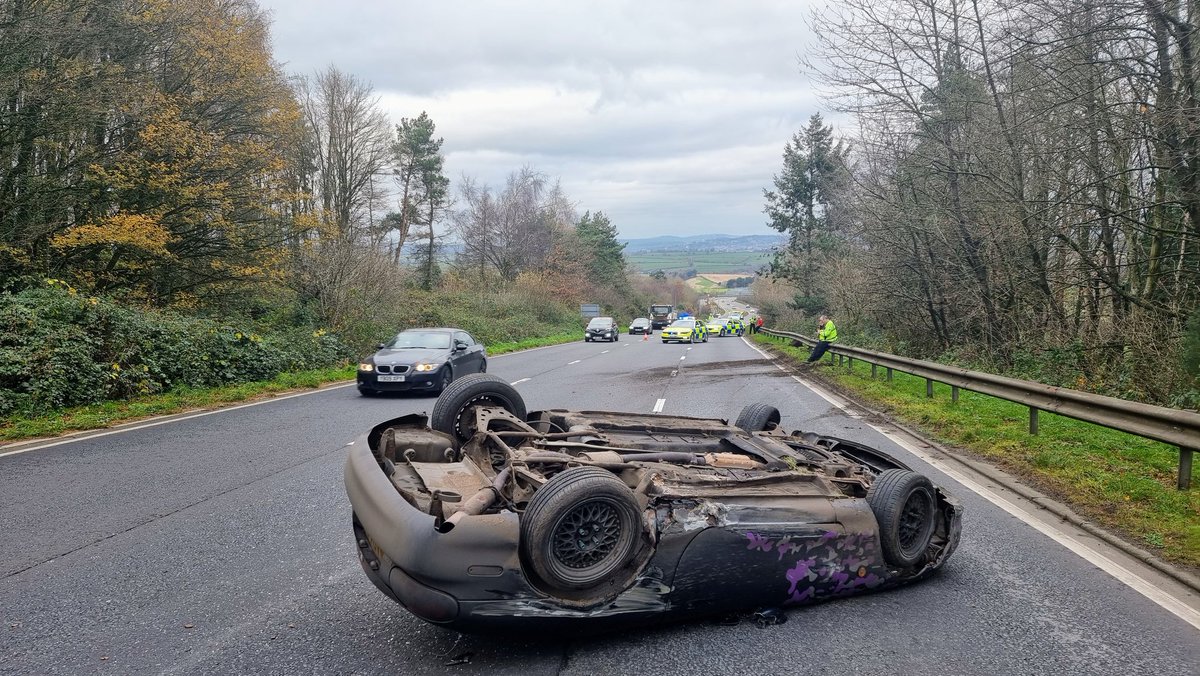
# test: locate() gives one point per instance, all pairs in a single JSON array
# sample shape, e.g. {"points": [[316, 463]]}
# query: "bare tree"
{"points": [[514, 230], [349, 146], [1027, 175]]}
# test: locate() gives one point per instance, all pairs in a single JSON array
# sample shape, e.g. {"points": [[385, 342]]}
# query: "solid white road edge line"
{"points": [[170, 418], [1079, 548], [60, 442], [658, 406], [518, 382]]}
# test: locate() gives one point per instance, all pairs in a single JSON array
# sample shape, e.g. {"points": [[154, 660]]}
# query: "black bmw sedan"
{"points": [[421, 360]]}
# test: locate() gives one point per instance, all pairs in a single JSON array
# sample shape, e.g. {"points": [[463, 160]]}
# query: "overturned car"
{"points": [[484, 517]]}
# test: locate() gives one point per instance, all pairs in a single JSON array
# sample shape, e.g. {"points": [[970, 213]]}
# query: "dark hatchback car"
{"points": [[640, 325], [421, 360], [601, 328]]}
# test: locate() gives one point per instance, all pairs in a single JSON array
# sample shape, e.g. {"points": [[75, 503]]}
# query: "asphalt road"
{"points": [[221, 544]]}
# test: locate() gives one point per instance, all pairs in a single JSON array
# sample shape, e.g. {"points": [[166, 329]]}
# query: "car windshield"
{"points": [[687, 323], [660, 309], [429, 340], [639, 322], [599, 323]]}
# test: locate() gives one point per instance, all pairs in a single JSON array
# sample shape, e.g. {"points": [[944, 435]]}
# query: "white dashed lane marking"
{"points": [[518, 382], [658, 405], [574, 362]]}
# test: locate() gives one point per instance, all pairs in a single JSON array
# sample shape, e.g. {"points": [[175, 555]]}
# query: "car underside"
{"points": [[485, 517]]}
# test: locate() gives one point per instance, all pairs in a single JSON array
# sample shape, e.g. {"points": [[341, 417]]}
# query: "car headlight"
{"points": [[366, 366], [427, 367]]}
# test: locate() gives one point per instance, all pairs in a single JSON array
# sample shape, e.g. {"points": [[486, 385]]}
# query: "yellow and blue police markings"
{"points": [[685, 330]]}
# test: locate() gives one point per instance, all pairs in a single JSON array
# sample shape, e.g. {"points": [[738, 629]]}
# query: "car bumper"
{"points": [[425, 380], [439, 577]]}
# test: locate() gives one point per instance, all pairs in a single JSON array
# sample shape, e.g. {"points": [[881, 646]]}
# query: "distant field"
{"points": [[719, 262], [720, 278], [703, 284]]}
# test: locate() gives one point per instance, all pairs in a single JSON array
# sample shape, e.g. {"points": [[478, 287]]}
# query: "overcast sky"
{"points": [[670, 117]]}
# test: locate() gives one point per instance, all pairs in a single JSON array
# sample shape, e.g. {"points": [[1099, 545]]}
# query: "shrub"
{"points": [[58, 348]]}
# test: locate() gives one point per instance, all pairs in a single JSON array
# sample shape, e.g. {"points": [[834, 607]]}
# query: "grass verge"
{"points": [[1122, 481], [98, 416], [542, 341], [94, 416]]}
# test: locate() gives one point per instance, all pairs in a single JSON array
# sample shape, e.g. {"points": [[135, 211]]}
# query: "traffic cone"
{"points": [[645, 336]]}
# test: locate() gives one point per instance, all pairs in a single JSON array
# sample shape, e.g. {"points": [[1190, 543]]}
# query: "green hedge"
{"points": [[497, 316], [58, 348]]}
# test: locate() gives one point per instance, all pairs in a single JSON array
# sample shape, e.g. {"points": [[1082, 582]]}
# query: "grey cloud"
{"points": [[669, 116]]}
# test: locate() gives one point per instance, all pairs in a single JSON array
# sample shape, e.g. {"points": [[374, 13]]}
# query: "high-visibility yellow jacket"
{"points": [[828, 333]]}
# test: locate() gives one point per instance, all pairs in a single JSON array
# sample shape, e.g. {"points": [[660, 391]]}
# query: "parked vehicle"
{"points": [[685, 330], [715, 326], [641, 325], [486, 517], [601, 328], [661, 315], [734, 326], [424, 360]]}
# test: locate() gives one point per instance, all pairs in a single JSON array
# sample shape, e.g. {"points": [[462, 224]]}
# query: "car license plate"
{"points": [[391, 379]]}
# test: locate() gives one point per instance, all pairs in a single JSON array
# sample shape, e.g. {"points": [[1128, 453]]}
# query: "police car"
{"points": [[687, 330]]}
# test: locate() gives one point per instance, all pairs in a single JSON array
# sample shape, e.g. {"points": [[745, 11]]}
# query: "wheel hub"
{"points": [[586, 535], [914, 520], [465, 425]]}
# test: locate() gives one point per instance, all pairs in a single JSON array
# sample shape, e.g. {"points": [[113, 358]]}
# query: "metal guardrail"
{"points": [[1168, 425]]}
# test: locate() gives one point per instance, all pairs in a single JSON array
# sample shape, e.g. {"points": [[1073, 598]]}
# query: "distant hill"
{"points": [[703, 243]]}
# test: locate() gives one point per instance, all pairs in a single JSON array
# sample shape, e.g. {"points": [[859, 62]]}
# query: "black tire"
{"points": [[582, 526], [452, 410], [483, 366], [444, 380], [367, 392], [906, 509], [587, 339], [758, 417]]}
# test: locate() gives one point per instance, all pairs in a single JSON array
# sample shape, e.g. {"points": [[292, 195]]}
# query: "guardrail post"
{"points": [[889, 377], [1033, 421], [928, 388], [1185, 468], [954, 393], [873, 371], [850, 363]]}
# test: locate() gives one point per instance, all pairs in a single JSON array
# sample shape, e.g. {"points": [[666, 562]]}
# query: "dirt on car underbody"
{"points": [[591, 515]]}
